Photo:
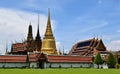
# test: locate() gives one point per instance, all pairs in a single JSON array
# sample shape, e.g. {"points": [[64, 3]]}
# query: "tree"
{"points": [[98, 60], [111, 61]]}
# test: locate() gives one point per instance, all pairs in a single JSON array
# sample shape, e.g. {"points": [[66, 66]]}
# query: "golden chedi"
{"points": [[48, 44]]}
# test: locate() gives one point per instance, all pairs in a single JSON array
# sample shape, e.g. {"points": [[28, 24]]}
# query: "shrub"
{"points": [[59, 66], [81, 66], [90, 66], [117, 66], [50, 66], [71, 66], [3, 66]]}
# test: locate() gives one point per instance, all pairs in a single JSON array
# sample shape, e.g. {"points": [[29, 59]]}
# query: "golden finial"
{"points": [[48, 29]]}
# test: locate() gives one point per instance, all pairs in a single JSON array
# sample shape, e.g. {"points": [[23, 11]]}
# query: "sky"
{"points": [[72, 21]]}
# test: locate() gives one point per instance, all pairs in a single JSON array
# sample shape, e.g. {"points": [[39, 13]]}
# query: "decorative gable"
{"points": [[101, 46]]}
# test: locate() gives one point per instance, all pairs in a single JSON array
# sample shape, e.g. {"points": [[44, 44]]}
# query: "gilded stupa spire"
{"points": [[48, 32], [49, 44]]}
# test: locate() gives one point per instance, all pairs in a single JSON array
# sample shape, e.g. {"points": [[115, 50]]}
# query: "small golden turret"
{"points": [[48, 44]]}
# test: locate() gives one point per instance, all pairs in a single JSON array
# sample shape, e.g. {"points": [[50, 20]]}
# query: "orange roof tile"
{"points": [[56, 58], [11, 58], [18, 47]]}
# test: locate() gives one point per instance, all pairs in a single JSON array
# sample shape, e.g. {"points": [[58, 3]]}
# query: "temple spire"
{"points": [[38, 34], [38, 42], [48, 29], [6, 52], [30, 36], [49, 44]]}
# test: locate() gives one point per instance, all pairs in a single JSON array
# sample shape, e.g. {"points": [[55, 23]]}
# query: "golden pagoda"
{"points": [[48, 44]]}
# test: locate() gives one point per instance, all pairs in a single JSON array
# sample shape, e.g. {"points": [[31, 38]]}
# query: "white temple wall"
{"points": [[33, 64], [46, 65], [104, 66], [68, 65], [15, 65]]}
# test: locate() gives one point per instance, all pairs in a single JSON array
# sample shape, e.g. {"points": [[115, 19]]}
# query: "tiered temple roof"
{"points": [[88, 47], [18, 48]]}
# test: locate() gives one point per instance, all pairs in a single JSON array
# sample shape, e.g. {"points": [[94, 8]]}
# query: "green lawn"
{"points": [[60, 71]]}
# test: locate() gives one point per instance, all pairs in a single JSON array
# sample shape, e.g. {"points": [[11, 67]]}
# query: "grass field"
{"points": [[60, 71]]}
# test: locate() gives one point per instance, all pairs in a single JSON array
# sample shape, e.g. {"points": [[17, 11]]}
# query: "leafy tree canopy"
{"points": [[98, 60]]}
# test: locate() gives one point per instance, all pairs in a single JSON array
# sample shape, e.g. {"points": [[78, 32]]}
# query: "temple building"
{"points": [[30, 45], [37, 53], [89, 48]]}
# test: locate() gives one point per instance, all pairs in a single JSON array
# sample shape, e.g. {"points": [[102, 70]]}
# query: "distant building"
{"points": [[117, 55], [89, 48]]}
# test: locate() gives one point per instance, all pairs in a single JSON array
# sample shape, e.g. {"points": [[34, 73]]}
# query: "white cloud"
{"points": [[94, 25], [14, 24], [90, 23], [43, 5], [108, 37], [118, 31], [114, 45]]}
